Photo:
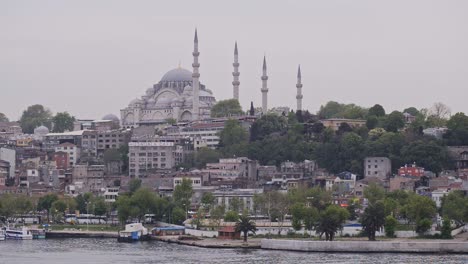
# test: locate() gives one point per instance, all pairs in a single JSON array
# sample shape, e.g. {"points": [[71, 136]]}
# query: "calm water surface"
{"points": [[88, 250]]}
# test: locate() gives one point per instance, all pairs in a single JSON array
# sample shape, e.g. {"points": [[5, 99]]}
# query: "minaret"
{"points": [[252, 109], [235, 74], [195, 79], [264, 88], [299, 90]]}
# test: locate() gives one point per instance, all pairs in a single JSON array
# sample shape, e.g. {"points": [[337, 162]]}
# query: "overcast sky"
{"points": [[93, 57]]}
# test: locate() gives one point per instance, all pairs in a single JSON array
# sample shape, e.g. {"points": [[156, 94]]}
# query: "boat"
{"points": [[38, 233], [2, 234], [18, 233], [134, 232]]}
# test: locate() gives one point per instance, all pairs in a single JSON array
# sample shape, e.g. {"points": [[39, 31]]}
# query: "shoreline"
{"points": [[297, 245]]}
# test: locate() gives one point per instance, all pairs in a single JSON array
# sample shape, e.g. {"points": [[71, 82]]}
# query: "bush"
{"points": [[423, 226], [390, 226], [446, 232], [231, 216]]}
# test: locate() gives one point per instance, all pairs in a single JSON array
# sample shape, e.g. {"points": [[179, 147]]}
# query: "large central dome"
{"points": [[177, 75]]}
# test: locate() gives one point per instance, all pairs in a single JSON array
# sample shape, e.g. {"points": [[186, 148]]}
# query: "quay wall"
{"points": [[80, 234], [367, 246]]}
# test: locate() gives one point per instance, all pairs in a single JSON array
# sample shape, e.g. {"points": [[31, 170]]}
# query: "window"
{"points": [[368, 166], [376, 166]]}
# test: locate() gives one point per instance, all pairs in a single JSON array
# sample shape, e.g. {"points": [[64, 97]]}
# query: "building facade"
{"points": [[380, 167]]}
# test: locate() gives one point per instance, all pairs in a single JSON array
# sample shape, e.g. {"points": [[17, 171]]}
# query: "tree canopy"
{"points": [[226, 108], [62, 121], [34, 116]]}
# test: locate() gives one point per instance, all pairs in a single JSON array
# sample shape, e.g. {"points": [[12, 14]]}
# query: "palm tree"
{"points": [[245, 225]]}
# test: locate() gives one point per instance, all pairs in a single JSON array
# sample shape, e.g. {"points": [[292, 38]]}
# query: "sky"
{"points": [[92, 58]]}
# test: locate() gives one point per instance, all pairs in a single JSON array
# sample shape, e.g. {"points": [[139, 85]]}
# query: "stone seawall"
{"points": [[367, 246], [80, 234]]}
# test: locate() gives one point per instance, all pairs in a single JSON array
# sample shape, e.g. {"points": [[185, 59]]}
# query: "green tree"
{"points": [[226, 108], [245, 225], [412, 111], [208, 200], [34, 116], [183, 194], [99, 206], [390, 226], [233, 139], [374, 193], [310, 217], [143, 202], [267, 125], [63, 121], [298, 214], [3, 118], [216, 214], [430, 154], [178, 215], [423, 225], [446, 232], [134, 185], [376, 110], [204, 156], [45, 203], [394, 121], [455, 207], [373, 219], [125, 209], [458, 130], [231, 216], [331, 220], [419, 210]]}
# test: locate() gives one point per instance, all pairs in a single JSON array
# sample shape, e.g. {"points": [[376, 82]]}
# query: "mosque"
{"points": [[179, 95]]}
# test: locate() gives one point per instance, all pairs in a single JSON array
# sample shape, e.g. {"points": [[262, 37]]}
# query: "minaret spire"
{"points": [[195, 79], [264, 88], [299, 89], [235, 74]]}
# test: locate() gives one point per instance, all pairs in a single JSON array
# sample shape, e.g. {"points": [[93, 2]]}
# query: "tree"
{"points": [[34, 116], [63, 121], [455, 207], [331, 220], [134, 185], [235, 204], [440, 111], [45, 203], [226, 108], [298, 213], [376, 110], [58, 208], [178, 215], [204, 156], [412, 111], [446, 232], [394, 121], [216, 214], [233, 139], [419, 210], [458, 130], [208, 200], [182, 194], [99, 206], [143, 202], [3, 118], [231, 216], [125, 209], [430, 154], [374, 193], [390, 226], [245, 225], [267, 125], [310, 217], [373, 219]]}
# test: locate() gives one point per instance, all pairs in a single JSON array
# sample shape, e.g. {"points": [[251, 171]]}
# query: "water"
{"points": [[89, 250]]}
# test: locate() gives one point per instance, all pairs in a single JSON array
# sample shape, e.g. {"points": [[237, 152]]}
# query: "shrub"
{"points": [[446, 232], [390, 226]]}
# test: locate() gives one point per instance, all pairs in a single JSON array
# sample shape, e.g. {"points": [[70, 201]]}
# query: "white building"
{"points": [[196, 180], [380, 167], [72, 150], [224, 197], [437, 196], [9, 155]]}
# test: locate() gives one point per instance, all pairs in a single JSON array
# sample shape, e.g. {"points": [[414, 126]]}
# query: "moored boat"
{"points": [[134, 232], [18, 233], [38, 233], [2, 234]]}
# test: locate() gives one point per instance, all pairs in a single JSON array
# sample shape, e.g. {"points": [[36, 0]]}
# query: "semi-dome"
{"points": [[41, 130], [110, 117], [177, 75]]}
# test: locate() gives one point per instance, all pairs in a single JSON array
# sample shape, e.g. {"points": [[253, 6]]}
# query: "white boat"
{"points": [[18, 233], [2, 234], [133, 232]]}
